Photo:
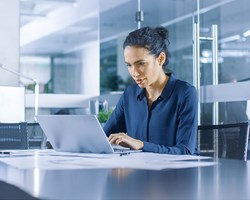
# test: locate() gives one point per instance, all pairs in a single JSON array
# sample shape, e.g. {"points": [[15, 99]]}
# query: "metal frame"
{"points": [[196, 67]]}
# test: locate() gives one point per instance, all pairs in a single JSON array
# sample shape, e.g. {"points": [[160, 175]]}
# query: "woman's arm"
{"points": [[116, 122]]}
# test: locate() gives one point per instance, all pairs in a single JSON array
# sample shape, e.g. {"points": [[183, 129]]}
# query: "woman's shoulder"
{"points": [[181, 84], [182, 87]]}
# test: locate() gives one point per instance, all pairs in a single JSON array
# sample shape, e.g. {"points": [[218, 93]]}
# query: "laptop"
{"points": [[78, 134]]}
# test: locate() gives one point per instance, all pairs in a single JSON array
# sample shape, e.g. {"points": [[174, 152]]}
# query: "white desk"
{"points": [[229, 179]]}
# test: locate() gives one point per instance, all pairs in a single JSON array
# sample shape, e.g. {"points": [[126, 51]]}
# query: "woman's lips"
{"points": [[139, 81]]}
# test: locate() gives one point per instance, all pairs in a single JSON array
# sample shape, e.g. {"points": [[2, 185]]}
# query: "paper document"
{"points": [[49, 159]]}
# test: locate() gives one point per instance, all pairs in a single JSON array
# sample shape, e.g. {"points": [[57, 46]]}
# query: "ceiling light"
{"points": [[247, 33], [206, 53], [32, 15], [229, 39], [209, 60], [51, 1], [225, 53], [234, 53]]}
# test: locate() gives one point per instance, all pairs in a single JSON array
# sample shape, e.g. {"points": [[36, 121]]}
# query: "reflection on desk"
{"points": [[230, 179]]}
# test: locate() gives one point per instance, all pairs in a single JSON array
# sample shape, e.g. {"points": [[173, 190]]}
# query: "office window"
{"points": [[67, 33], [83, 41]]}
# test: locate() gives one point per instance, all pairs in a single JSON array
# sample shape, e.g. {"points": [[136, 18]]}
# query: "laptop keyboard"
{"points": [[119, 148]]}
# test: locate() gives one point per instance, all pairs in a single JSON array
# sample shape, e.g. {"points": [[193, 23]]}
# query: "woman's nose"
{"points": [[135, 73]]}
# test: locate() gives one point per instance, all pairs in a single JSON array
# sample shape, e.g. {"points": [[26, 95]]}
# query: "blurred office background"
{"points": [[74, 49]]}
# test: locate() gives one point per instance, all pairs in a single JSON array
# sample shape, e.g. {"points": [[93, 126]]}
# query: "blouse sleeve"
{"points": [[116, 122]]}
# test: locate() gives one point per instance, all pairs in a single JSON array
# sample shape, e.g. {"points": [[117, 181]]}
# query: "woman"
{"points": [[158, 113]]}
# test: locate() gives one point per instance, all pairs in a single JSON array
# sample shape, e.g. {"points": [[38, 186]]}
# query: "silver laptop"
{"points": [[77, 133]]}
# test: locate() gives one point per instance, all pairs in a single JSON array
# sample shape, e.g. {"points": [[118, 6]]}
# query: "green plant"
{"points": [[103, 115]]}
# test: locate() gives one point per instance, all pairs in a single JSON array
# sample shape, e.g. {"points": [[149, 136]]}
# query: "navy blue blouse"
{"points": [[169, 126]]}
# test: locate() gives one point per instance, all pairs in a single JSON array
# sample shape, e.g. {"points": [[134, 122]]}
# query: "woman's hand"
{"points": [[124, 140]]}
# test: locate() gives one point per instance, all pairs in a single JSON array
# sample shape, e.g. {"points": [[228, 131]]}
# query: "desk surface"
{"points": [[230, 179]]}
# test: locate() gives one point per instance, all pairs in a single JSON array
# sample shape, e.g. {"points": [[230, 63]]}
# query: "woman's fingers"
{"points": [[118, 138], [113, 137], [126, 141]]}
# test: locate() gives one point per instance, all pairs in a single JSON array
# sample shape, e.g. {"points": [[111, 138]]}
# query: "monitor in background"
{"points": [[12, 104]]}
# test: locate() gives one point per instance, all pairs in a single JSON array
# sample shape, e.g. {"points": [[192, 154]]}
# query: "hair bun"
{"points": [[162, 32]]}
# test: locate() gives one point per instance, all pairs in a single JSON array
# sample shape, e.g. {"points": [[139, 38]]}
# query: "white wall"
{"points": [[12, 104], [91, 69], [9, 41]]}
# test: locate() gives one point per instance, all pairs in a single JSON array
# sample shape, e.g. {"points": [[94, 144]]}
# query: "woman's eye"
{"points": [[141, 64]]}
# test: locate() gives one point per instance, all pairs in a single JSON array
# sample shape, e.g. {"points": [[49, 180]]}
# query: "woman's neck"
{"points": [[154, 91]]}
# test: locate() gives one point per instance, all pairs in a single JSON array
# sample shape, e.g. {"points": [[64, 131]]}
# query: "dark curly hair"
{"points": [[155, 40]]}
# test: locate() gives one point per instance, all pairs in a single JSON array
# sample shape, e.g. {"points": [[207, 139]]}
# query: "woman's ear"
{"points": [[161, 58]]}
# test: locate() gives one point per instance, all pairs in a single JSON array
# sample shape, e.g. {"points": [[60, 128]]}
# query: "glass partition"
{"points": [[74, 47], [176, 16], [233, 56]]}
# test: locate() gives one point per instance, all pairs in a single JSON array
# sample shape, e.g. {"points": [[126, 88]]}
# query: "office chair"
{"points": [[13, 136], [224, 140], [35, 135]]}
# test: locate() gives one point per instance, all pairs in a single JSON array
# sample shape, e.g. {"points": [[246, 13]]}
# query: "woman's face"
{"points": [[144, 68]]}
